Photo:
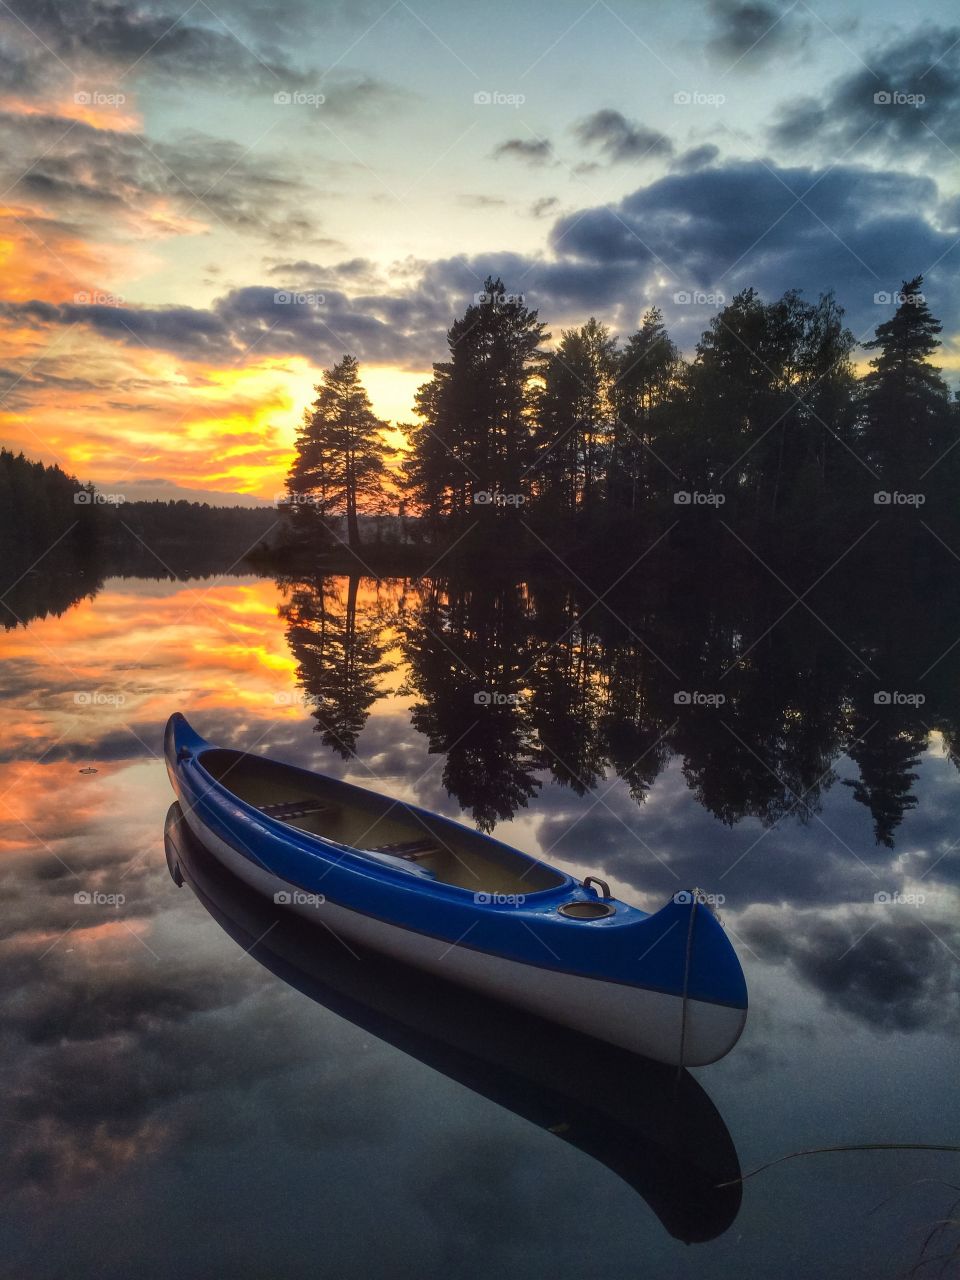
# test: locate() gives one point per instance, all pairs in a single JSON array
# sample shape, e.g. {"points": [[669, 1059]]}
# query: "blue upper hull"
{"points": [[660, 952]]}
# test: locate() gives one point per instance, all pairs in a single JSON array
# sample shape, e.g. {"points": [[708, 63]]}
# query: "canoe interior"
{"points": [[366, 820]]}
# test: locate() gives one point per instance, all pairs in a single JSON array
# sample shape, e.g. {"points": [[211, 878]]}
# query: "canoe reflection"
{"points": [[656, 1130]]}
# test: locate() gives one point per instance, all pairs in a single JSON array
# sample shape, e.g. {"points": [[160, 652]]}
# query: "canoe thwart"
{"points": [[410, 849], [284, 810]]}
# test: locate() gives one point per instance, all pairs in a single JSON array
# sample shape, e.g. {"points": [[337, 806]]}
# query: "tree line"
{"points": [[768, 421]]}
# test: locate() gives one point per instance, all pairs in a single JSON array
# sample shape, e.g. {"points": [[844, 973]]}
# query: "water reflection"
{"points": [[653, 1126], [512, 679]]}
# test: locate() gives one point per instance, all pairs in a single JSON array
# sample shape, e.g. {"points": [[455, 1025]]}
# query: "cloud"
{"points": [[716, 229], [695, 158], [621, 140], [753, 33], [904, 102], [154, 188], [546, 204], [848, 228], [883, 964], [534, 151]]}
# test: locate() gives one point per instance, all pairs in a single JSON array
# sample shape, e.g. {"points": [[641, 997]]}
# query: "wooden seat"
{"points": [[284, 810]]}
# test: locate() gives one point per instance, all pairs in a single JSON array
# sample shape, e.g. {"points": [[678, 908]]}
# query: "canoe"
{"points": [[426, 890], [652, 1126]]}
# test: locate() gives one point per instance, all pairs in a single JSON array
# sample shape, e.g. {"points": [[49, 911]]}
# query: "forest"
{"points": [[769, 428]]}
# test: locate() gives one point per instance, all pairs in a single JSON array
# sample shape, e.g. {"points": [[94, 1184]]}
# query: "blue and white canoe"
{"points": [[433, 893]]}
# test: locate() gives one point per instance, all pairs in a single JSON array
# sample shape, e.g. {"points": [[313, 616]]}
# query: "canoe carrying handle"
{"points": [[603, 890]]}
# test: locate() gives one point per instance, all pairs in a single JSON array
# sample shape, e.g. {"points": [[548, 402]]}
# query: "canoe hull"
{"points": [[644, 1021]]}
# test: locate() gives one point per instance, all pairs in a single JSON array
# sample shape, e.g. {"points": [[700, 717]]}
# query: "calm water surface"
{"points": [[178, 1100]]}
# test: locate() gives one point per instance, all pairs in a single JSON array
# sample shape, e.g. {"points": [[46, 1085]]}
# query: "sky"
{"points": [[203, 207]]}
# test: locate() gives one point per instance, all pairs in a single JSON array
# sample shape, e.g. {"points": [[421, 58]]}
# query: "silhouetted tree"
{"points": [[647, 375], [576, 419], [341, 453], [906, 420], [476, 413]]}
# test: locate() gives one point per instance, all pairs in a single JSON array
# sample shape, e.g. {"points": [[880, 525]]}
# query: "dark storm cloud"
{"points": [[753, 32], [534, 151], [905, 100], [885, 964], [856, 230], [621, 140]]}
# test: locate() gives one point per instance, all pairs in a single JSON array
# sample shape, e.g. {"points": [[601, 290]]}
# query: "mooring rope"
{"points": [[686, 979]]}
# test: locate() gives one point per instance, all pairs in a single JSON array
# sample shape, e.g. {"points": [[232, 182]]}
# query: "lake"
{"points": [[176, 1103]]}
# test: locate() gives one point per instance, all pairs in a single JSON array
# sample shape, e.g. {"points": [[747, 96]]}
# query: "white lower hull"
{"points": [[645, 1022]]}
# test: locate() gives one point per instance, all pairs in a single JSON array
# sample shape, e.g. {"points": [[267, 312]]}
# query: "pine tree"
{"points": [[646, 378], [906, 420], [477, 411], [341, 455]]}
